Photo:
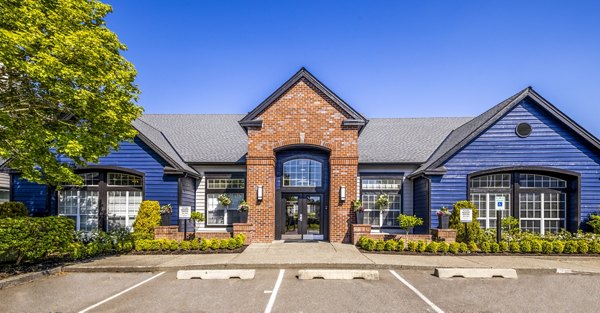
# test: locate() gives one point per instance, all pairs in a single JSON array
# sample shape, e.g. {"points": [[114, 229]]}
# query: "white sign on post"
{"points": [[466, 215], [500, 201], [185, 212]]}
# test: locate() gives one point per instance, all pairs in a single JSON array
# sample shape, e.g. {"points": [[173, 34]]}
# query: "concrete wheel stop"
{"points": [[338, 274], [476, 273], [216, 274]]}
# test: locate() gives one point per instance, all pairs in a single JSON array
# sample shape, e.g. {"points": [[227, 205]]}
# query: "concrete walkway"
{"points": [[330, 255]]}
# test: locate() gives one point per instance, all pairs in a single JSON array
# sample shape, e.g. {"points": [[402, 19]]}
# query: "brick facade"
{"points": [[302, 116]]}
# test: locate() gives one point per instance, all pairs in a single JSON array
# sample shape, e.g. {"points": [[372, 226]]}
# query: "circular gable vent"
{"points": [[523, 130]]}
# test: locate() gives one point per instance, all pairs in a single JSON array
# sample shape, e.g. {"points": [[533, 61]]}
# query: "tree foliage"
{"points": [[65, 89], [474, 229], [147, 218]]}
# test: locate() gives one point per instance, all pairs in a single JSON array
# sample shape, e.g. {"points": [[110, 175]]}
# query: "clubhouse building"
{"points": [[303, 155]]}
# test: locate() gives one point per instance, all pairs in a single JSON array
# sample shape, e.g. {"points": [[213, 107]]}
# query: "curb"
{"points": [[28, 277]]}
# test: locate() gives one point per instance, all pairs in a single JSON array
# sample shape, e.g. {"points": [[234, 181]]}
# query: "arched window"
{"points": [[302, 173], [540, 201]]}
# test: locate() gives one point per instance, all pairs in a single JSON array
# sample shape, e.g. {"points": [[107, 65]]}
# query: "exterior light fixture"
{"points": [[343, 193], [259, 193]]}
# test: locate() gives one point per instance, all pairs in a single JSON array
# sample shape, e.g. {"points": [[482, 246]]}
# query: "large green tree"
{"points": [[65, 89]]}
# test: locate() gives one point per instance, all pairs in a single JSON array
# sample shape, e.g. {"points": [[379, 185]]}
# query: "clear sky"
{"points": [[384, 58]]}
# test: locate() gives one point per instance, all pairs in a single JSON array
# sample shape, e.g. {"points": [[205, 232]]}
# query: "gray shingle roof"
{"points": [[203, 138], [404, 140]]}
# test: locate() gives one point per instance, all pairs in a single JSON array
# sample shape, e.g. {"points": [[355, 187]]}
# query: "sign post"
{"points": [[466, 216], [185, 213], [500, 205]]}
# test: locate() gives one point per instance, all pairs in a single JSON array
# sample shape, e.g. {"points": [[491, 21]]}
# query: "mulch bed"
{"points": [[8, 270]]}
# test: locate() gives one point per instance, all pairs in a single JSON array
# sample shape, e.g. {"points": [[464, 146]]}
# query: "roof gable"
{"points": [[465, 134], [356, 119]]}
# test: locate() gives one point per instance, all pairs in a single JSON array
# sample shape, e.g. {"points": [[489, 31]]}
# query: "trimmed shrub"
{"points": [[195, 244], [421, 246], [215, 244], [494, 247], [379, 245], [474, 229], [571, 246], [13, 209], [412, 246], [594, 223], [486, 247], [407, 222], [514, 247], [432, 247], [34, 238], [454, 247], [504, 246], [595, 247], [473, 247], [526, 246], [205, 244], [391, 245], [444, 246], [185, 245], [174, 245], [147, 218], [361, 241], [232, 244], [547, 247], [463, 248], [127, 246], [369, 244], [400, 246], [583, 247], [223, 243], [559, 246], [536, 246], [240, 238]]}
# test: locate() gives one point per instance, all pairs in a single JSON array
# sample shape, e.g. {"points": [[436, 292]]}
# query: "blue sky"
{"points": [[384, 58]]}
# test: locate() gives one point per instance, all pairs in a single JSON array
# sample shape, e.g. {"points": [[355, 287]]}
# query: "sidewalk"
{"points": [[330, 255]]}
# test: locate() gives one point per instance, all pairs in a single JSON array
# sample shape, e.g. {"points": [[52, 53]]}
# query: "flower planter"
{"points": [[443, 221], [165, 220], [360, 217], [243, 217]]}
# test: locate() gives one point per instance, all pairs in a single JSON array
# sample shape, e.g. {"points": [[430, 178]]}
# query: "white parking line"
{"points": [[416, 291], [120, 293], [274, 293]]}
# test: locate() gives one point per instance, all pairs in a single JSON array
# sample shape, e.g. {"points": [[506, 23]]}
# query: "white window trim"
{"points": [[542, 218]]}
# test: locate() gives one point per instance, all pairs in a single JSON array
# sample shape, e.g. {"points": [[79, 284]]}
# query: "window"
{"points": [[216, 213], [81, 206], [302, 173], [541, 200], [123, 207], [4, 195], [371, 189], [120, 179]]}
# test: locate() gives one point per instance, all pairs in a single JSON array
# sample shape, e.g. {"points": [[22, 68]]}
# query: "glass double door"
{"points": [[303, 216]]}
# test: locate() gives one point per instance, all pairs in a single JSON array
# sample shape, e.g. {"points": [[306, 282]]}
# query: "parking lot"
{"points": [[281, 291]]}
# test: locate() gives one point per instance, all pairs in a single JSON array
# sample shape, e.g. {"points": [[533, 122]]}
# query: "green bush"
{"points": [[77, 251], [174, 246], [454, 247], [185, 245], [127, 246], [504, 246], [147, 218], [486, 247], [232, 244], [379, 245], [536, 246], [594, 223], [595, 247], [215, 244], [432, 247], [583, 247], [472, 246], [400, 246], [571, 246], [514, 247], [526, 246], [391, 245], [195, 244], [443, 248], [412, 246], [407, 222], [559, 246], [361, 241], [421, 246], [463, 248], [34, 238], [205, 244], [13, 210], [547, 247], [223, 243], [474, 229], [510, 225], [495, 247]]}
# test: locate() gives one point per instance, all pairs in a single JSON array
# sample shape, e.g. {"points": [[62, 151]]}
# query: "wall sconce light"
{"points": [[259, 193], [343, 193]]}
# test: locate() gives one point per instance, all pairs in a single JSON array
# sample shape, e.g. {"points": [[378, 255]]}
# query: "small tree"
{"points": [[407, 222], [474, 229], [147, 218]]}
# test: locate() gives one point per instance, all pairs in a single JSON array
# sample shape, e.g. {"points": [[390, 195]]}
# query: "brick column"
{"points": [[359, 230], [246, 229], [344, 171], [261, 172]]}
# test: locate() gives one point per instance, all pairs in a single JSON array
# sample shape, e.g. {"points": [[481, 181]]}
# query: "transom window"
{"points": [[302, 173], [371, 189], [121, 179], [541, 200], [225, 183]]}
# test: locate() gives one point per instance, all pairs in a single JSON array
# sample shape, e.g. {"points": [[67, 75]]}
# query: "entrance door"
{"points": [[303, 216]]}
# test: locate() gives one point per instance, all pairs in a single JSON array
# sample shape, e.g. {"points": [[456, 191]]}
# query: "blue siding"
{"points": [[550, 144], [33, 195], [421, 204]]}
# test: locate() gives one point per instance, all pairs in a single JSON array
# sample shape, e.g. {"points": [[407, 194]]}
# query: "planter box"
{"points": [[443, 221], [243, 217], [360, 217], [165, 220]]}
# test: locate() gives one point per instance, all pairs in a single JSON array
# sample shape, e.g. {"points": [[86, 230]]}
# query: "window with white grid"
{"points": [[542, 212], [218, 214], [486, 207], [123, 207], [371, 189], [122, 179], [81, 206], [302, 173]]}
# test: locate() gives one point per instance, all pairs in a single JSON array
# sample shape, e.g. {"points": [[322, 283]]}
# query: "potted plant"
{"points": [[359, 210], [443, 215], [408, 222], [224, 200], [243, 211], [382, 202], [197, 217], [165, 214]]}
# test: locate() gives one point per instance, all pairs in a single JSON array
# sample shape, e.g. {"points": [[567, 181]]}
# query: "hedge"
{"points": [[13, 210], [169, 245]]}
